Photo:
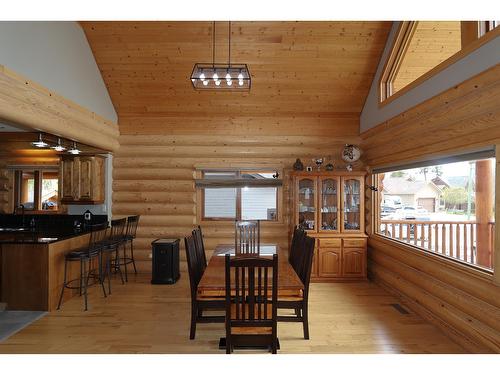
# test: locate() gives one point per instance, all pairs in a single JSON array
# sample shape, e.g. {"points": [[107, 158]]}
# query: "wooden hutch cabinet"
{"points": [[82, 179], [330, 207]]}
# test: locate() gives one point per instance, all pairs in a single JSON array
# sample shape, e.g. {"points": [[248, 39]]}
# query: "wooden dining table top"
{"points": [[213, 284]]}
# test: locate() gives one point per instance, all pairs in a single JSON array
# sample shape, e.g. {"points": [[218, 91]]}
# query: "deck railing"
{"points": [[454, 239]]}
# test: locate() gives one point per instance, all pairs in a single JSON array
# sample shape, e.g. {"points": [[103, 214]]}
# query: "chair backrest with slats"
{"points": [[132, 222], [200, 246], [194, 268], [97, 235], [247, 237], [251, 291], [117, 228]]}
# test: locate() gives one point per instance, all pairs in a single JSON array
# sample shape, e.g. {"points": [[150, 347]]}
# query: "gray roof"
{"points": [[403, 186]]}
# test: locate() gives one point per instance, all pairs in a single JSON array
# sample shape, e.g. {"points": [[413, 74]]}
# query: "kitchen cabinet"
{"points": [[82, 179]]}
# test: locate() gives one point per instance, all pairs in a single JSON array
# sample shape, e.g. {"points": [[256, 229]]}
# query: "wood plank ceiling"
{"points": [[307, 68]]}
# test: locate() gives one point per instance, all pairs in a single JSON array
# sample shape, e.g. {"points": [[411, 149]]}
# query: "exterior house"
{"points": [[424, 194]]}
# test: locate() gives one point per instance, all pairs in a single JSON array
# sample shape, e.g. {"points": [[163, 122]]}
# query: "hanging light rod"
{"points": [[220, 76]]}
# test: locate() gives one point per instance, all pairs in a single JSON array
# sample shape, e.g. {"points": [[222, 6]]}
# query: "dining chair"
{"points": [[198, 303], [251, 314], [300, 303], [295, 254], [247, 237], [200, 246]]}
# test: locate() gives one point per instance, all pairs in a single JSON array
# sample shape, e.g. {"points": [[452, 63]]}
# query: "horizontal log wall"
{"points": [[28, 104], [154, 169], [465, 303]]}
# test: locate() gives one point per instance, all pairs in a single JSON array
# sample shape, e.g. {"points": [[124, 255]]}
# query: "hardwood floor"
{"points": [[144, 318]]}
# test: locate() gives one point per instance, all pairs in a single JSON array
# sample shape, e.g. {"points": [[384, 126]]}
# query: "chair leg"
{"points": [[117, 263], [108, 271], [86, 276], [305, 321], [132, 255], [194, 313], [80, 287], [64, 284], [100, 274], [125, 261]]}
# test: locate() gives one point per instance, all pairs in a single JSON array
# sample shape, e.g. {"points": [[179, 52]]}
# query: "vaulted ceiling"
{"points": [[297, 67]]}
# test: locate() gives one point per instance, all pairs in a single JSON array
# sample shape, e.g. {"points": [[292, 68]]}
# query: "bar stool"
{"points": [[86, 256], [110, 250], [132, 222]]}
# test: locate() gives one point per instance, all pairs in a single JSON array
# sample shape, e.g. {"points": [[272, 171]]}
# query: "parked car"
{"points": [[387, 211], [392, 201], [412, 213]]}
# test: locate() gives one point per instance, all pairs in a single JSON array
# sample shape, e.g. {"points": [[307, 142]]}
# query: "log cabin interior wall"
{"points": [[310, 80], [463, 301]]}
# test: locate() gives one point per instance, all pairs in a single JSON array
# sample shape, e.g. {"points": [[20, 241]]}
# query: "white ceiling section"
{"points": [[9, 128], [57, 56]]}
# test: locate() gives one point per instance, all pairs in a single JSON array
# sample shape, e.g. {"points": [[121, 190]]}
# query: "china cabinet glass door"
{"points": [[351, 204], [329, 204], [307, 203]]}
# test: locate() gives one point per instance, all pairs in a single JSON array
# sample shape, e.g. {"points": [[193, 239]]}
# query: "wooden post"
{"points": [[484, 211], [469, 32]]}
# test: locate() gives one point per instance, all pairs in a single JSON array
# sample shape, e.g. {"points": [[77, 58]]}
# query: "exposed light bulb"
{"points": [[228, 76], [229, 82], [215, 77], [217, 83], [202, 76], [193, 80], [240, 82], [205, 83], [240, 76]]}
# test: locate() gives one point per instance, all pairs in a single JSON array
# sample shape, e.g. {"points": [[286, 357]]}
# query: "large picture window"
{"points": [[239, 195], [445, 208]]}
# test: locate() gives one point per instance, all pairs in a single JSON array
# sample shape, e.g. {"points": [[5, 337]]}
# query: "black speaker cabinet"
{"points": [[165, 261]]}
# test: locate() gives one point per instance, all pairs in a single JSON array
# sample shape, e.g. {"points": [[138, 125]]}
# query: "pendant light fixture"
{"points": [[223, 77], [39, 142], [74, 150], [59, 146]]}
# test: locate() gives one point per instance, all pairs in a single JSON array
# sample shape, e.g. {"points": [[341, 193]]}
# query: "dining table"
{"points": [[213, 283]]}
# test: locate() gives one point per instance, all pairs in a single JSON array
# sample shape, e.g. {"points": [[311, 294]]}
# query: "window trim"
{"points": [[468, 49], [200, 195], [450, 158]]}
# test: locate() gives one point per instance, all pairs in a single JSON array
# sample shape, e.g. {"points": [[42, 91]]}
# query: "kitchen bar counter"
{"points": [[32, 268]]}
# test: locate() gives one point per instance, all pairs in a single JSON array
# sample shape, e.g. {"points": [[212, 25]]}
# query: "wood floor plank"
{"points": [[144, 318]]}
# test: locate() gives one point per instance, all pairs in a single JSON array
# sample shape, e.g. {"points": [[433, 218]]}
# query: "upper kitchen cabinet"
{"points": [[82, 179]]}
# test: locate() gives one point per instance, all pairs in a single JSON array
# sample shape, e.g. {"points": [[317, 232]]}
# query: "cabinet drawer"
{"points": [[354, 242], [329, 242]]}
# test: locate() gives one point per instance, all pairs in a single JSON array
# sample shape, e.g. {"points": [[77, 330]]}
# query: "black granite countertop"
{"points": [[37, 236]]}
